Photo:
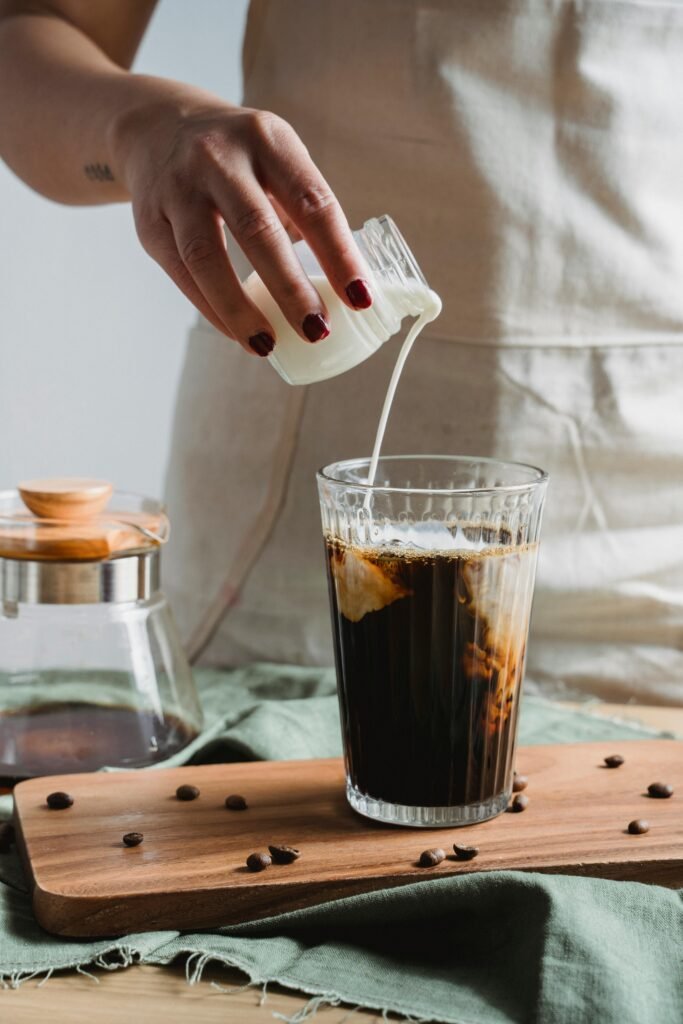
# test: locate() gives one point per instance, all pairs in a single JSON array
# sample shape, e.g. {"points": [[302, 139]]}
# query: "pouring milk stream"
{"points": [[430, 312], [399, 289]]}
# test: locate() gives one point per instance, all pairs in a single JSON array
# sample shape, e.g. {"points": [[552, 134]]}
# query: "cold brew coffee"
{"points": [[429, 649]]}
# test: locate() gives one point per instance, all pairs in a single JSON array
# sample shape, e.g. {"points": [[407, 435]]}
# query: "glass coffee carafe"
{"points": [[92, 672]]}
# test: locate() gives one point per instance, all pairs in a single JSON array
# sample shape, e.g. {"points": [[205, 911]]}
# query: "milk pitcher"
{"points": [[398, 287]]}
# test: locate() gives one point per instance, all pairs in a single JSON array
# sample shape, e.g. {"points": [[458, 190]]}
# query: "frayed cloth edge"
{"points": [[109, 960], [197, 962], [15, 979], [121, 957]]}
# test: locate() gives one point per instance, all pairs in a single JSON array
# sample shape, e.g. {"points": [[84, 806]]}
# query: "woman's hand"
{"points": [[194, 163]]}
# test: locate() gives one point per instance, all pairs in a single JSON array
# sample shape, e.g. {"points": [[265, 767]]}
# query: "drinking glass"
{"points": [[431, 573]]}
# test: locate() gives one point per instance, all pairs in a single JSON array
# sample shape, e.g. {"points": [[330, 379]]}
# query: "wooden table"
{"points": [[161, 995]]}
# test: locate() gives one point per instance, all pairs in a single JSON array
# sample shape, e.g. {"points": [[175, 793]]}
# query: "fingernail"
{"points": [[315, 327], [262, 343], [359, 294]]}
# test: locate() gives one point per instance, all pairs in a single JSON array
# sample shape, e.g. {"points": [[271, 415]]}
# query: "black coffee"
{"points": [[79, 737], [429, 651]]}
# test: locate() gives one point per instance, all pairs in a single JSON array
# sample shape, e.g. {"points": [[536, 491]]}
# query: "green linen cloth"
{"points": [[496, 948]]}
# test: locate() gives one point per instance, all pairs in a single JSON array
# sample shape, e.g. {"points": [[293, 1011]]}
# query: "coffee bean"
{"points": [[520, 803], [430, 858], [59, 801], [614, 761], [258, 861], [235, 803], [284, 854], [133, 838], [187, 792], [638, 827], [519, 782], [465, 852], [660, 790], [6, 837]]}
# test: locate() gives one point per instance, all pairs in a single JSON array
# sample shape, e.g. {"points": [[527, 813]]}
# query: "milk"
{"points": [[432, 308], [354, 336]]}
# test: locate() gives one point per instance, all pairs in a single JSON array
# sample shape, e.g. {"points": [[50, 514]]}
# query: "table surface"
{"points": [[161, 994]]}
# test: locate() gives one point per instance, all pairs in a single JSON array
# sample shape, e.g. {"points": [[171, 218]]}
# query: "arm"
{"points": [[79, 127], [63, 79]]}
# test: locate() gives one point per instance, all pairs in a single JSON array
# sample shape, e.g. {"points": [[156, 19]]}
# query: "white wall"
{"points": [[91, 330]]}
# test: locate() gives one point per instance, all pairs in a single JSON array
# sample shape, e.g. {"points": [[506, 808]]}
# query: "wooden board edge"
{"points": [[22, 850], [92, 917]]}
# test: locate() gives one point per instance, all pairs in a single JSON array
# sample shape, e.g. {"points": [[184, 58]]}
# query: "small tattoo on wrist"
{"points": [[98, 172]]}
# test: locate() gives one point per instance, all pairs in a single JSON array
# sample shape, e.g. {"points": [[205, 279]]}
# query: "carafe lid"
{"points": [[77, 520]]}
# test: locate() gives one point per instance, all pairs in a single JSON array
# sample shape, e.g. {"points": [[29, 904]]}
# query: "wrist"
{"points": [[144, 109], [148, 118]]}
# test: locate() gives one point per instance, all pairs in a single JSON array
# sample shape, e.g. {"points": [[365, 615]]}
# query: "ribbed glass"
{"points": [[431, 574]]}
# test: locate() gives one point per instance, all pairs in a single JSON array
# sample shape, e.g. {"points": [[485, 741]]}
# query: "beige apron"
{"points": [[532, 153]]}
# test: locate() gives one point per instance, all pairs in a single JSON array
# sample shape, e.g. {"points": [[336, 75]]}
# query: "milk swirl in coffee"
{"points": [[429, 647]]}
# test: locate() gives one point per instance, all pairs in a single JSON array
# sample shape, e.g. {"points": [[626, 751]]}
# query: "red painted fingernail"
{"points": [[359, 294], [315, 327], [262, 343]]}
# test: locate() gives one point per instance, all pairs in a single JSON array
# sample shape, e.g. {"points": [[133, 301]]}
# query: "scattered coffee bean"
{"points": [[520, 803], [133, 838], [187, 792], [519, 782], [465, 852], [235, 803], [660, 790], [638, 827], [258, 861], [6, 837], [614, 761], [430, 858], [59, 801], [284, 854]]}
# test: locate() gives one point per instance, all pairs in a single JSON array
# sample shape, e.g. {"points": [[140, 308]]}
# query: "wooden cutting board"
{"points": [[190, 870]]}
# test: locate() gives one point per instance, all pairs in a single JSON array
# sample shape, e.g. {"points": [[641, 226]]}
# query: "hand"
{"points": [[193, 163]]}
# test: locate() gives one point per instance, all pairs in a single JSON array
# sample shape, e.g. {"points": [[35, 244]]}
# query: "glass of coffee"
{"points": [[431, 573]]}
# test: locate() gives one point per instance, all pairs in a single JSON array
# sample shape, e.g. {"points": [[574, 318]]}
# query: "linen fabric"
{"points": [[531, 151]]}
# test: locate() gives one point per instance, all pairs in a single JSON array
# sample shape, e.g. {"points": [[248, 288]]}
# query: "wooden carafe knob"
{"points": [[67, 498]]}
